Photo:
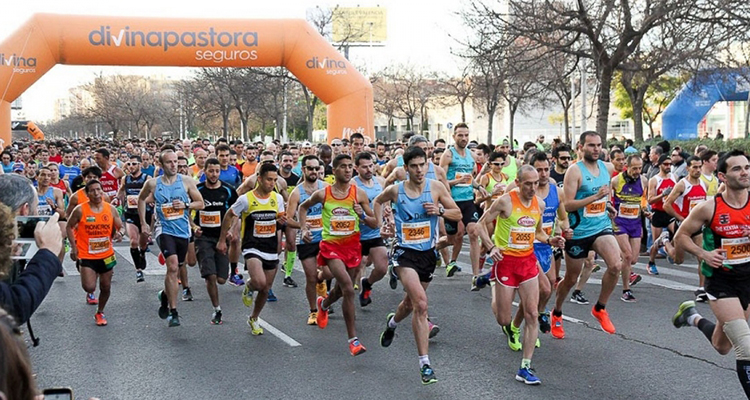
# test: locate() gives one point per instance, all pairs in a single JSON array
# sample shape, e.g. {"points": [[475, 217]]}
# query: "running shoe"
{"points": [[91, 299], [321, 289], [513, 334], [364, 295], [680, 319], [634, 278], [161, 258], [173, 319], [236, 280], [526, 375], [451, 269], [538, 343], [255, 328], [627, 296], [557, 330], [356, 348], [386, 338], [439, 263], [434, 329], [474, 286], [187, 295], [216, 318], [139, 277], [356, 286], [603, 318], [596, 268], [544, 324], [652, 269], [272, 297], [322, 316], [312, 319], [101, 320], [427, 374], [247, 296], [163, 305], [700, 295], [392, 277], [578, 298], [289, 282]]}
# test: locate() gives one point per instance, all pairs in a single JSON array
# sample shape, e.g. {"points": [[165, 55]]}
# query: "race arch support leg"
{"points": [[5, 136]]}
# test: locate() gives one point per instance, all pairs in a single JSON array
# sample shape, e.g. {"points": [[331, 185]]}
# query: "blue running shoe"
{"points": [[526, 375], [652, 269], [272, 297], [428, 375]]}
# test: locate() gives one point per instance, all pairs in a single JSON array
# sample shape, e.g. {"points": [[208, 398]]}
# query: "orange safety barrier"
{"points": [[49, 39]]}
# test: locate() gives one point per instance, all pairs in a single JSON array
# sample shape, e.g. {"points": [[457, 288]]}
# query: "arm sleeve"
{"points": [[25, 295]]}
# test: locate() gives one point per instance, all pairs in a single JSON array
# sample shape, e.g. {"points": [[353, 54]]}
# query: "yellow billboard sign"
{"points": [[359, 25]]}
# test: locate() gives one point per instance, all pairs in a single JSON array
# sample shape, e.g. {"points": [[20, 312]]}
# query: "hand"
{"points": [[648, 214], [221, 247], [198, 232], [483, 192], [666, 192], [178, 204], [715, 259], [386, 231], [306, 235], [115, 202], [117, 237], [358, 209], [557, 241], [466, 179], [74, 254], [496, 254], [387, 212], [431, 208], [48, 235], [498, 189], [281, 218], [51, 203], [145, 228], [567, 233], [230, 236], [603, 192], [611, 211]]}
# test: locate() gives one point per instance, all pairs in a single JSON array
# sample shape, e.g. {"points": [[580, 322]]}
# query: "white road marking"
{"points": [[565, 318], [279, 334]]}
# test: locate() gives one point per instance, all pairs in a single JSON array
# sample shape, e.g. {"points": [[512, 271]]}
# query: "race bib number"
{"points": [[461, 175], [98, 245], [210, 219], [738, 250], [265, 229], [416, 232], [694, 203], [132, 200], [44, 209], [171, 213], [316, 223], [547, 227], [343, 225], [629, 211], [111, 193], [595, 209], [521, 238]]}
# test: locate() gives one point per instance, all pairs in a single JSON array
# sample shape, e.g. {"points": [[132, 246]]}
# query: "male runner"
{"points": [[710, 160], [686, 195], [420, 202], [173, 196], [344, 205], [261, 211], [111, 173], [561, 158], [68, 170], [91, 228], [291, 179], [587, 189], [727, 264], [214, 265], [519, 223], [659, 187], [130, 188]]}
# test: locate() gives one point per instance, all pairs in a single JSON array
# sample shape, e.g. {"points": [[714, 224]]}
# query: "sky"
{"points": [[419, 33]]}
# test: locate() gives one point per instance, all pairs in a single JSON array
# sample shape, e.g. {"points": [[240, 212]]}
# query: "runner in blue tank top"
{"points": [[421, 202], [587, 190], [173, 196], [459, 166]]}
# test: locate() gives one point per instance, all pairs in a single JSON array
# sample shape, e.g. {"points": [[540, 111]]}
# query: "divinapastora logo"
{"points": [[330, 65], [20, 65]]}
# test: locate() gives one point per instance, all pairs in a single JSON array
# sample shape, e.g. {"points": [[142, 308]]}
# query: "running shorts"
{"points": [[172, 245], [514, 271], [350, 255], [661, 219], [371, 244], [724, 284], [543, 253], [308, 250], [210, 260], [267, 265], [579, 248], [469, 214], [423, 262]]}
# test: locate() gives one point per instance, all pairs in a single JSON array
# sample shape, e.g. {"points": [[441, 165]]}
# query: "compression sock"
{"points": [[743, 372], [143, 257], [557, 313], [707, 327], [136, 254], [233, 266], [289, 264]]}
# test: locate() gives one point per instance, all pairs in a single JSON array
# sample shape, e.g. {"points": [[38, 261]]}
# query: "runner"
{"points": [[308, 247], [421, 201], [261, 211], [111, 173], [344, 205], [91, 228], [173, 195], [291, 179], [659, 187], [586, 189], [214, 265], [727, 268], [495, 181], [519, 223], [130, 188], [190, 259], [711, 182]]}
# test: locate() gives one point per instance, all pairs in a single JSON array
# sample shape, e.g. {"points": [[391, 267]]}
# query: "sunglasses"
{"points": [[667, 164], [565, 158], [497, 164], [312, 168], [336, 144]]}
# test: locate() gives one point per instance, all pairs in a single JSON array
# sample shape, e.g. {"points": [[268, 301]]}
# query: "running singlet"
{"points": [[60, 185], [711, 183], [94, 233], [291, 182], [110, 184], [415, 229], [511, 171], [559, 178], [551, 203], [259, 223], [217, 201], [627, 198], [174, 222], [44, 208], [368, 233], [515, 235], [491, 186], [149, 170], [340, 222], [458, 168], [314, 215], [662, 184], [690, 197], [69, 173], [592, 218], [133, 188], [727, 227]]}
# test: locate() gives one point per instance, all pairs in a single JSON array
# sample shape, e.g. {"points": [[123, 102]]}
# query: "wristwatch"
{"points": [[441, 211]]}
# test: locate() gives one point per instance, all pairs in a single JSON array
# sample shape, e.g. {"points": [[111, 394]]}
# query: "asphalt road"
{"points": [[138, 357]]}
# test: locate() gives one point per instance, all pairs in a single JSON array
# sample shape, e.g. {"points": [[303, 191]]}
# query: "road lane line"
{"points": [[279, 334], [566, 318]]}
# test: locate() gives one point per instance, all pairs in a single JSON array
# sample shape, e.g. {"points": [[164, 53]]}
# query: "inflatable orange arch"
{"points": [[49, 39]]}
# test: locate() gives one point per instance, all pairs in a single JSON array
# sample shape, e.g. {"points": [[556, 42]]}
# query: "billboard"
{"points": [[359, 24]]}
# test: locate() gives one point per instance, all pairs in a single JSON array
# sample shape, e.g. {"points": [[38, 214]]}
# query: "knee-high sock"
{"points": [[136, 254], [289, 264]]}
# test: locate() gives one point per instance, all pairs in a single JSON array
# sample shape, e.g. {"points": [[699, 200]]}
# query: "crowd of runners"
{"points": [[356, 213]]}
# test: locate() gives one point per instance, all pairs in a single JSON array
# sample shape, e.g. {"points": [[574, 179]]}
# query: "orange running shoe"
{"points": [[557, 327], [91, 299], [100, 319], [356, 348], [603, 318], [322, 317]]}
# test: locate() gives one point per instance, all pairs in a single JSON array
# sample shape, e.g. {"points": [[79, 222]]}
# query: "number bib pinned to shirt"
{"points": [[315, 222], [416, 232], [343, 225], [132, 201], [521, 238], [171, 213], [738, 250], [98, 245], [265, 229], [210, 219], [595, 209], [629, 211]]}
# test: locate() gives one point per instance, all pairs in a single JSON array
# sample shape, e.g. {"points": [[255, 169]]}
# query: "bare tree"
{"points": [[459, 89]]}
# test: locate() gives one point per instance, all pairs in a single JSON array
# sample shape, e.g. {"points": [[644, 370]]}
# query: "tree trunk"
{"points": [[512, 111], [602, 102], [638, 121], [463, 111], [566, 120], [225, 121], [747, 117], [490, 122]]}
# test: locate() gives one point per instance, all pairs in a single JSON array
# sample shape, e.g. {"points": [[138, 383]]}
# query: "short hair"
{"points": [[68, 150], [104, 152], [362, 156], [529, 145], [657, 150], [691, 159], [484, 148], [497, 154], [662, 158], [539, 156], [417, 139], [615, 152], [706, 155], [137, 157], [633, 157], [284, 153], [628, 142], [721, 167], [222, 147], [90, 184], [339, 158], [438, 141], [379, 144], [584, 135], [556, 151], [524, 168], [325, 148], [96, 171], [305, 159], [356, 135], [413, 152], [460, 125], [211, 161], [15, 191], [265, 168], [438, 150], [182, 158]]}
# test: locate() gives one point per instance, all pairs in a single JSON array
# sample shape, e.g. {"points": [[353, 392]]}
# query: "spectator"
{"points": [[719, 135], [679, 167], [653, 157], [16, 375], [540, 143]]}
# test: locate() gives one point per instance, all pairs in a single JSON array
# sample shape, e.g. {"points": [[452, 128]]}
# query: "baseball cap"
{"points": [[18, 167]]}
